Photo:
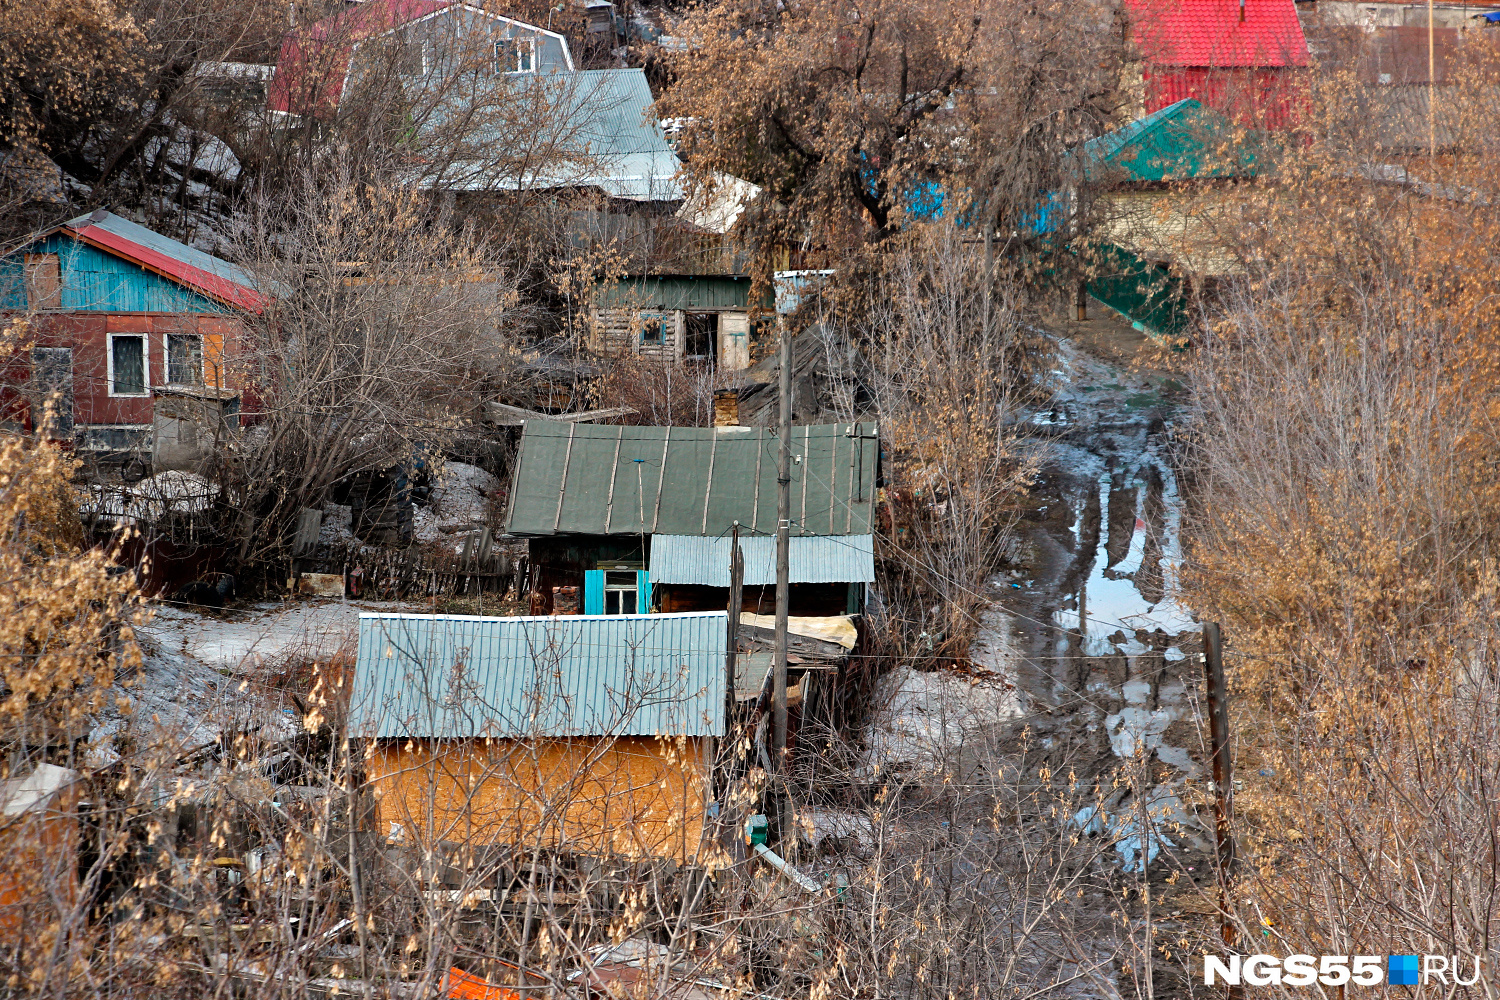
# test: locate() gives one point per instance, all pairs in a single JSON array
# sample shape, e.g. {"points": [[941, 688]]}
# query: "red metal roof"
{"points": [[201, 271], [314, 60], [1209, 33]]}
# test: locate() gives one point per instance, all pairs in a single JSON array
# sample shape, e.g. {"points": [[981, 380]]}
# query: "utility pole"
{"points": [[1431, 95], [1218, 729], [783, 567], [731, 648]]}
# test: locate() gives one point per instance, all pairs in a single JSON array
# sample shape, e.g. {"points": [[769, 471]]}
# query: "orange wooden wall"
{"points": [[637, 796]]}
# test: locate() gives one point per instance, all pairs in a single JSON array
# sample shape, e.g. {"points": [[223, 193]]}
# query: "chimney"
{"points": [[726, 408]]}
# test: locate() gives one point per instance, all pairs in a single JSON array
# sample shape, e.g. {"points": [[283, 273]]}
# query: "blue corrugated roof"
{"points": [[151, 240], [814, 559], [451, 677]]}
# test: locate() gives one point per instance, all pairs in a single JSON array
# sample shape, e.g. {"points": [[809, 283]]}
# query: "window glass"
{"points": [[620, 593], [128, 365], [515, 55], [653, 330], [184, 359]]}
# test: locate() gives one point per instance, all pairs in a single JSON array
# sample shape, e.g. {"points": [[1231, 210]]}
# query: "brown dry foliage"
{"points": [[1345, 533], [65, 631]]}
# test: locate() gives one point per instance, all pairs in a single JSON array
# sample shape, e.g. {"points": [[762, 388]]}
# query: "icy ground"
{"points": [[237, 641], [460, 500]]}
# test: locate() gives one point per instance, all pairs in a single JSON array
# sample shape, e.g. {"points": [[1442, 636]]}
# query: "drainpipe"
{"points": [[780, 864]]}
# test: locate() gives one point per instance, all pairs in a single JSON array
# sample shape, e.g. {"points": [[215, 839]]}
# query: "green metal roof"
{"points": [[599, 480], [675, 291], [1181, 141]]}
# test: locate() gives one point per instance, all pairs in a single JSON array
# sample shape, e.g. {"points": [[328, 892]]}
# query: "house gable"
{"points": [[94, 280]]}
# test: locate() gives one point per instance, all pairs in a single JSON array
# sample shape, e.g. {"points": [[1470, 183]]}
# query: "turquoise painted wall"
{"points": [[95, 281]]}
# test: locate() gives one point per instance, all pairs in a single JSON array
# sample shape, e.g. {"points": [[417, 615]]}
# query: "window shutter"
{"points": [[642, 592], [593, 591]]}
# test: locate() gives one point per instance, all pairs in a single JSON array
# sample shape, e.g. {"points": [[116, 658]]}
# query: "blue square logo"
{"points": [[1401, 970]]}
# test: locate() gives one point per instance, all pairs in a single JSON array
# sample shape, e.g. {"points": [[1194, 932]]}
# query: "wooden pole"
{"points": [[731, 648], [1218, 728], [783, 559], [1431, 93]]}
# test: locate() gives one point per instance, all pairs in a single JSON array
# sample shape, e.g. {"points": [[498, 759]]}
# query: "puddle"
{"points": [[1099, 631]]}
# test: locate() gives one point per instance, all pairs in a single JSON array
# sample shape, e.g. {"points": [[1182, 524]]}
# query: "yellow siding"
{"points": [[637, 796]]}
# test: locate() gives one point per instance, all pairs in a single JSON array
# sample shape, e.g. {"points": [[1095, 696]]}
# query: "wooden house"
{"points": [[587, 130], [639, 518], [593, 735], [1242, 58], [120, 317], [1166, 183]]}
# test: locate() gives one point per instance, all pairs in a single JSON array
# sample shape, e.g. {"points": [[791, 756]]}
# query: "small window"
{"points": [[127, 365], [43, 281], [515, 55], [620, 593], [184, 359], [653, 330]]}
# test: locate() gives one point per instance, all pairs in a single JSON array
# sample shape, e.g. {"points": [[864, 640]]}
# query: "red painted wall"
{"points": [[87, 333], [1257, 97]]}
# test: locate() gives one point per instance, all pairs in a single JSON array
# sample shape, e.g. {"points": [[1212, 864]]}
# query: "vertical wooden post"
{"points": [[731, 648], [783, 568], [1218, 728]]}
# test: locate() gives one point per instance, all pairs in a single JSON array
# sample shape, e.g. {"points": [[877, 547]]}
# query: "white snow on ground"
{"points": [[816, 824], [152, 498], [180, 703], [240, 640], [923, 719], [459, 498]]}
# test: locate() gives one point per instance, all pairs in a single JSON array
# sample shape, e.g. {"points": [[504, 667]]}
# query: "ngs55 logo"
{"points": [[1339, 970]]}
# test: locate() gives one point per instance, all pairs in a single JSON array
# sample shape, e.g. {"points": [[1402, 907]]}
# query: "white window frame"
{"points": [[634, 587], [109, 361], [166, 362], [523, 44]]}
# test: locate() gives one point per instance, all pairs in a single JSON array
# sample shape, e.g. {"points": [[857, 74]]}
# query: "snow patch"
{"points": [[925, 718]]}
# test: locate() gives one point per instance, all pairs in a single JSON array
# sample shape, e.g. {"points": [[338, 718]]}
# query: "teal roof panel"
{"points": [[454, 677], [602, 480]]}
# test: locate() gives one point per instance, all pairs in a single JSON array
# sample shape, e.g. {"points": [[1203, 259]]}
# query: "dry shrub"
{"points": [[662, 393], [1346, 537], [65, 631]]}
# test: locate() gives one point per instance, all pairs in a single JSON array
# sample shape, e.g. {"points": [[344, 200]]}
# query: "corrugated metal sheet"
{"points": [[447, 677], [1267, 98], [1181, 141], [1210, 33], [814, 559], [597, 480], [688, 292], [610, 141]]}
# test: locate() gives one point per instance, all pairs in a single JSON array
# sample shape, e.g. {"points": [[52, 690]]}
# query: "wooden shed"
{"points": [[588, 734], [676, 316]]}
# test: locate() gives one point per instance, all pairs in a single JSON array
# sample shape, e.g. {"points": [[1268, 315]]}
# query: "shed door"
{"points": [[734, 341], [52, 379]]}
